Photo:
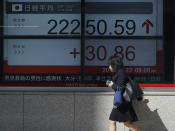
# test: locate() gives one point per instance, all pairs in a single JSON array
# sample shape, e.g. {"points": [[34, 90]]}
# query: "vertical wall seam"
{"points": [[74, 112], [23, 110]]}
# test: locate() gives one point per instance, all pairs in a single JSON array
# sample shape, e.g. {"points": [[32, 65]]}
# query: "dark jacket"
{"points": [[120, 79]]}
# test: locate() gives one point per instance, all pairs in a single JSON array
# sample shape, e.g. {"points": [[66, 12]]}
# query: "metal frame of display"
{"points": [[167, 38], [1, 40]]}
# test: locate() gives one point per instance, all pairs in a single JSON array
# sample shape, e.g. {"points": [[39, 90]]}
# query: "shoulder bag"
{"points": [[117, 97], [132, 90]]}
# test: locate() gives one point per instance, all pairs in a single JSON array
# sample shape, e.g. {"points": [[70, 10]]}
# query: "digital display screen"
{"points": [[107, 18], [61, 58], [43, 52], [139, 56], [124, 18], [42, 18]]}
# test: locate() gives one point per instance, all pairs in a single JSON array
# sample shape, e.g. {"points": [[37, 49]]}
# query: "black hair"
{"points": [[116, 62]]}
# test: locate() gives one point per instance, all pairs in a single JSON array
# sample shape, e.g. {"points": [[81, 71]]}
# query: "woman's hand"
{"points": [[145, 101], [111, 84]]}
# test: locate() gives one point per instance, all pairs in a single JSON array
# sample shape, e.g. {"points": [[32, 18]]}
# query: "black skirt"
{"points": [[125, 112]]}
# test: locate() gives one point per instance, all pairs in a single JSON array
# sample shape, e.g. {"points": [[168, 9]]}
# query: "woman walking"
{"points": [[124, 112]]}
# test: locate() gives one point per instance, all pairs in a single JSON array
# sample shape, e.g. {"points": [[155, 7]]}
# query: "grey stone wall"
{"points": [[78, 111]]}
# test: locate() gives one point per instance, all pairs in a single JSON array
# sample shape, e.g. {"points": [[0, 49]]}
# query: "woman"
{"points": [[124, 112]]}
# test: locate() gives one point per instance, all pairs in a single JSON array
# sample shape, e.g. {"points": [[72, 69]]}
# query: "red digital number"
{"points": [[101, 52], [119, 51], [104, 52], [92, 54], [130, 55]]}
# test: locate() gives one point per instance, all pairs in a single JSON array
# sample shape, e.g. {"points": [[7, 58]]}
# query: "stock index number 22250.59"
{"points": [[93, 27]]}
